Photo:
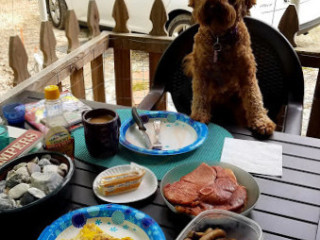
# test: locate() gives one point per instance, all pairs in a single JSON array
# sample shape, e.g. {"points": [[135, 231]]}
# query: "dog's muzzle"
{"points": [[218, 12]]}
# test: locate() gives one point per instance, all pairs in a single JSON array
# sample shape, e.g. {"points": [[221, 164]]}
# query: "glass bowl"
{"points": [[235, 225]]}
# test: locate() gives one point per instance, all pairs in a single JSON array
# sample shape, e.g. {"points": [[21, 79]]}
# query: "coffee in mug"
{"points": [[101, 131], [101, 119]]}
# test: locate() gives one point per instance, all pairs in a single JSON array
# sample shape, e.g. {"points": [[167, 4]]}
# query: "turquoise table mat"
{"points": [[209, 151]]}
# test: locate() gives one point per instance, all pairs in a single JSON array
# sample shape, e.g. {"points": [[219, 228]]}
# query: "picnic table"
{"points": [[288, 208]]}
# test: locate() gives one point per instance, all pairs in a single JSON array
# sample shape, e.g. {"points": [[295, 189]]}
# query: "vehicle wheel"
{"points": [[57, 10], [178, 24]]}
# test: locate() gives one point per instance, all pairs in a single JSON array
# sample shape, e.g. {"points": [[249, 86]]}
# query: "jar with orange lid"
{"points": [[53, 107], [58, 137]]}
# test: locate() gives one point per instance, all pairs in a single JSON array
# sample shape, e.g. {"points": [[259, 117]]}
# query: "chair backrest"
{"points": [[279, 70]]}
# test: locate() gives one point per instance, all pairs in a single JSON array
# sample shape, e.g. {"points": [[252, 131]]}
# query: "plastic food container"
{"points": [[14, 113], [235, 225]]}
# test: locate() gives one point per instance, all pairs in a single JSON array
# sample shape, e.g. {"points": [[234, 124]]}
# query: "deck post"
{"points": [[76, 77], [18, 60], [122, 62], [158, 17], [97, 73], [289, 24]]}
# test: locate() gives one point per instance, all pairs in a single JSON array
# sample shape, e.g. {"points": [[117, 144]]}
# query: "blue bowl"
{"points": [[14, 113]]}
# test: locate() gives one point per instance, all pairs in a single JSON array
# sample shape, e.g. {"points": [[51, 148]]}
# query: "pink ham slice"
{"points": [[202, 175], [182, 193], [189, 210], [225, 173], [218, 193], [235, 203], [206, 188], [237, 200], [194, 210]]}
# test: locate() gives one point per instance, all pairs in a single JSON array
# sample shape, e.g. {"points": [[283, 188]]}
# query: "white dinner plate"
{"points": [[148, 186], [178, 133]]}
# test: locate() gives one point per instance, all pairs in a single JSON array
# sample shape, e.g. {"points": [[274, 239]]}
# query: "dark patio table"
{"points": [[288, 208]]}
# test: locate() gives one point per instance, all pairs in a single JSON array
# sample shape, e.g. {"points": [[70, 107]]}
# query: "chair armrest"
{"points": [[293, 119], [152, 98]]}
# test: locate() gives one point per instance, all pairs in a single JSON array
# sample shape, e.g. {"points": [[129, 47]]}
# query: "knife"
{"points": [[141, 127]]}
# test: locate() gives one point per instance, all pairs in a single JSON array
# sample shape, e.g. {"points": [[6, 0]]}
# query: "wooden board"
{"points": [[72, 31], [77, 77], [93, 19], [121, 16], [97, 76], [122, 67], [18, 60], [289, 24], [158, 17], [48, 44], [63, 67]]}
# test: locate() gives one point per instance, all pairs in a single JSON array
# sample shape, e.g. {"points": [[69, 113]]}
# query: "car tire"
{"points": [[57, 10], [178, 24]]}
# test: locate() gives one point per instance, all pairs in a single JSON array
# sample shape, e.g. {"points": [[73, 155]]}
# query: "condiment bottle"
{"points": [[58, 137], [53, 106]]}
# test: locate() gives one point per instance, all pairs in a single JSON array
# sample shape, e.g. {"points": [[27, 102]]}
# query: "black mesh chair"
{"points": [[279, 74]]}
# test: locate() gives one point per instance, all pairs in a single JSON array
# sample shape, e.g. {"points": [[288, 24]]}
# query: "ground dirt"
{"points": [[21, 17]]}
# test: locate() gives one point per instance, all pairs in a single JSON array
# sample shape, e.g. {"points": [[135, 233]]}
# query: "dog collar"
{"points": [[231, 36]]}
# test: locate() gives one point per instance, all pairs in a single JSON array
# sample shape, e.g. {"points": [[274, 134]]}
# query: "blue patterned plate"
{"points": [[116, 220], [178, 133]]}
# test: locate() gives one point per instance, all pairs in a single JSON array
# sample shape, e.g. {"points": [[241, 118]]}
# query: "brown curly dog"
{"points": [[222, 65]]}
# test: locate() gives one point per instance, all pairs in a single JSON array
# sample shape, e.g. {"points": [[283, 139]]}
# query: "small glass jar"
{"points": [[4, 136], [54, 108]]}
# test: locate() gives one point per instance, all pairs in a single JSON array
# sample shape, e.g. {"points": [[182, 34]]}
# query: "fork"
{"points": [[157, 144]]}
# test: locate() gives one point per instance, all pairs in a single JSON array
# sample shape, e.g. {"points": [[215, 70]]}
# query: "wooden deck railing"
{"points": [[122, 42], [72, 65], [289, 27]]}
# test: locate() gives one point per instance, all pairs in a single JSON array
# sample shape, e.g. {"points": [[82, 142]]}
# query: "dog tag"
{"points": [[216, 48]]}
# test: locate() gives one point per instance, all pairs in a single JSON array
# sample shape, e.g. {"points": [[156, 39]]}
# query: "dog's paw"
{"points": [[204, 118], [263, 127]]}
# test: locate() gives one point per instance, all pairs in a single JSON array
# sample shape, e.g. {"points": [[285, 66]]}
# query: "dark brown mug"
{"points": [[102, 138]]}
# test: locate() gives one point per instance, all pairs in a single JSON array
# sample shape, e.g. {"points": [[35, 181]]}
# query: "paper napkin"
{"points": [[253, 156]]}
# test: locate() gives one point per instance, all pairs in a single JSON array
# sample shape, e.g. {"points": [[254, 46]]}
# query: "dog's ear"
{"points": [[250, 3], [191, 3], [246, 5]]}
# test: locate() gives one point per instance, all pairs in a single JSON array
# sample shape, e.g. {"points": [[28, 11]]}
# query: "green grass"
{"points": [[140, 86]]}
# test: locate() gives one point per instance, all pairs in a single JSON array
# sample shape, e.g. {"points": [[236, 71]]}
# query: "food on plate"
{"points": [[122, 182], [206, 187], [90, 231], [209, 234]]}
